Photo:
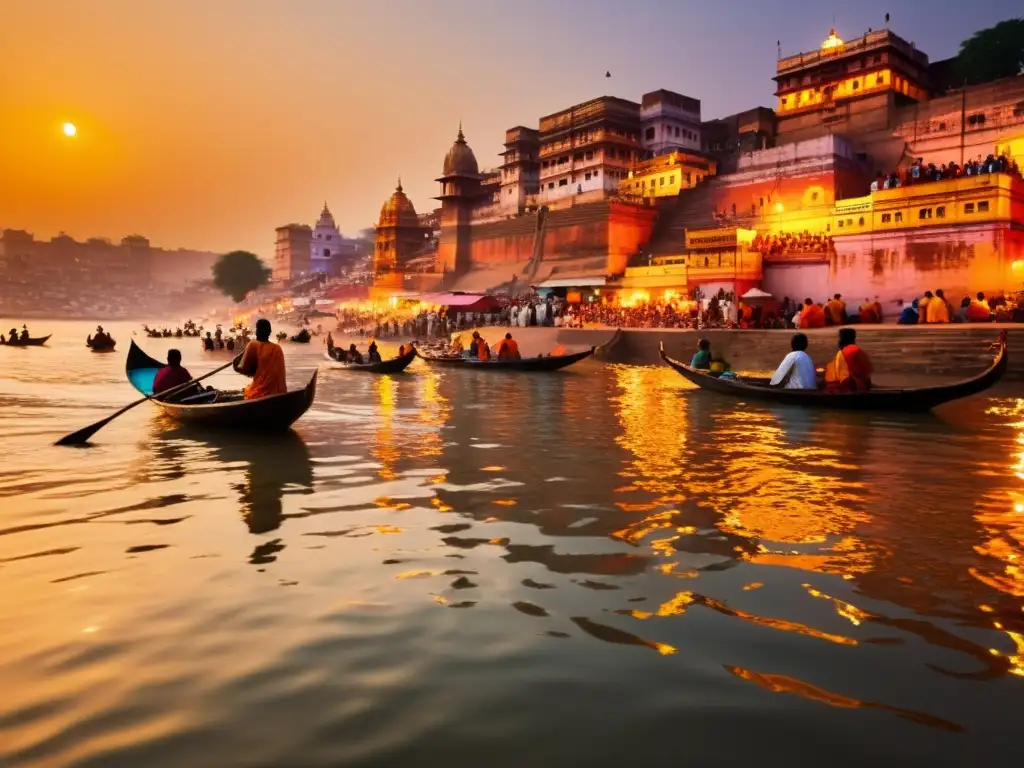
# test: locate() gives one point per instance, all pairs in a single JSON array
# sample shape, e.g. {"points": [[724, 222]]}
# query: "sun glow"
{"points": [[70, 130]]}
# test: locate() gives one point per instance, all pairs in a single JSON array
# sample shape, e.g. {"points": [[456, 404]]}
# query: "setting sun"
{"points": [[70, 129]]}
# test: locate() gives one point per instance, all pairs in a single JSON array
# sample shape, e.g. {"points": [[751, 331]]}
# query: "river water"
{"points": [[450, 568]]}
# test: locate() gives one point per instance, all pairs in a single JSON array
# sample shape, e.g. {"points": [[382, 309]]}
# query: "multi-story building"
{"points": [[292, 251], [588, 148], [666, 175], [520, 171], [849, 85], [669, 122]]}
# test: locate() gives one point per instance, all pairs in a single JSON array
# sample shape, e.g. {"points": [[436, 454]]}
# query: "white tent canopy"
{"points": [[756, 293]]}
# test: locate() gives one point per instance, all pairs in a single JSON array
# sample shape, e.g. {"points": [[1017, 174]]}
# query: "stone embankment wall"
{"points": [[898, 353]]}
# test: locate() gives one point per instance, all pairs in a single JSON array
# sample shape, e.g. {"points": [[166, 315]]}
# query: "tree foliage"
{"points": [[993, 53], [239, 273]]}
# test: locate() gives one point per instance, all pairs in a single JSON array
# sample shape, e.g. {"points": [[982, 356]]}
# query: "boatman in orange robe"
{"points": [[263, 360], [851, 369], [508, 349]]}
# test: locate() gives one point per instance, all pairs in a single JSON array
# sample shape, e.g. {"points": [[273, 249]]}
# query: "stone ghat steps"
{"points": [[951, 353], [578, 214]]}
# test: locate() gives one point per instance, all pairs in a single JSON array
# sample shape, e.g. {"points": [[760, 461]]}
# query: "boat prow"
{"points": [[913, 400]]}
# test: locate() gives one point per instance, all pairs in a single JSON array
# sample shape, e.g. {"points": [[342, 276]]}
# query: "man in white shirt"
{"points": [[797, 370]]}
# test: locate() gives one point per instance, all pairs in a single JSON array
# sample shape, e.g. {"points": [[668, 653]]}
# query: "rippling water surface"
{"points": [[449, 568]]}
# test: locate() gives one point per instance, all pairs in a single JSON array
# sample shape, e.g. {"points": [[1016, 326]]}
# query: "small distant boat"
{"points": [[917, 400], [101, 345], [29, 342], [533, 364], [394, 365], [268, 414]]}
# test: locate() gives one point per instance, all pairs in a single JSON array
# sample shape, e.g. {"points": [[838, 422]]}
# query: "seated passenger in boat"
{"points": [[171, 375], [812, 315], [701, 359], [373, 354], [797, 369], [508, 349], [354, 355], [483, 350], [851, 370], [401, 350], [474, 345], [24, 333], [263, 360], [456, 345]]}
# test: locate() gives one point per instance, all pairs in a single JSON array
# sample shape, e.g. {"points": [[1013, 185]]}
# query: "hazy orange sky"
{"points": [[206, 123]]}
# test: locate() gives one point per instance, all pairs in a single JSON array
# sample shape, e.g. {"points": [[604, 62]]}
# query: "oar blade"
{"points": [[81, 437]]}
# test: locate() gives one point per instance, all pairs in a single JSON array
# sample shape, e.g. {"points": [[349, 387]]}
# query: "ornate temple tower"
{"points": [[460, 189], [326, 245], [399, 238]]}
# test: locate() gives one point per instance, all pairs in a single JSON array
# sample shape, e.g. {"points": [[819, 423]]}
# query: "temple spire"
{"points": [[461, 137], [399, 187]]}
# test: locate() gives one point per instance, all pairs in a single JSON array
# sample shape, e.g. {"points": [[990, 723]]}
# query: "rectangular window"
{"points": [[597, 173], [849, 222], [968, 207], [839, 224], [886, 218], [687, 177], [983, 206], [663, 181], [563, 182], [551, 185], [899, 217], [924, 213], [940, 212], [586, 177], [590, 155]]}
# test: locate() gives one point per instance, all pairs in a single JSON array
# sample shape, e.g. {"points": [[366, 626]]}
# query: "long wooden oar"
{"points": [[82, 436]]}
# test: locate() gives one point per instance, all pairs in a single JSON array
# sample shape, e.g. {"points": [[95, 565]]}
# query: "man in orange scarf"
{"points": [[812, 316], [263, 360], [851, 370]]}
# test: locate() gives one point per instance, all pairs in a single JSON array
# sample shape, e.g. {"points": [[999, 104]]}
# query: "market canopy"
{"points": [[464, 302], [582, 281], [756, 293]]}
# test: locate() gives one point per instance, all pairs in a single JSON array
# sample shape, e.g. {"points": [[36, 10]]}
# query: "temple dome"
{"points": [[326, 219], [398, 210], [460, 160]]}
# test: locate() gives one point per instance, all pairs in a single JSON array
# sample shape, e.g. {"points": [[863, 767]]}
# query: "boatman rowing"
{"points": [[263, 360]]}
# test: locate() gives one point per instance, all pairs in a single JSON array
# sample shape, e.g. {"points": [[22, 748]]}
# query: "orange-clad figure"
{"points": [[812, 316], [263, 360], [508, 349], [851, 369], [483, 352]]}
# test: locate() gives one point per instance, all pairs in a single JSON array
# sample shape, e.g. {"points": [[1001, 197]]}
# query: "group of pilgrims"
{"points": [[849, 370]]}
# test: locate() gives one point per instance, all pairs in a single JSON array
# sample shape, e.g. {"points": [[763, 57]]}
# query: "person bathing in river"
{"points": [[701, 359], [172, 374], [508, 349], [851, 370], [797, 369], [208, 342], [263, 360]]}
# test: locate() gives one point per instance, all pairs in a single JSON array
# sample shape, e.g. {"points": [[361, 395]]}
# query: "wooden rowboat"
{"points": [[268, 414], [30, 342], [549, 363], [908, 400], [394, 365]]}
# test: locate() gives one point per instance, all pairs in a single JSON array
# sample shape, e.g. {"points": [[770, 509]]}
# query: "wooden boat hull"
{"points": [[30, 342], [268, 414], [102, 347], [394, 365], [918, 400], [530, 364]]}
